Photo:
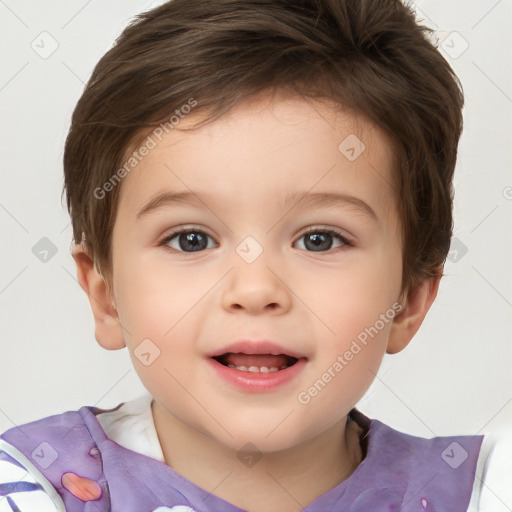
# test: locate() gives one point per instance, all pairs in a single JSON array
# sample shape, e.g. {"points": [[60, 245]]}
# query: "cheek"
{"points": [[357, 312], [354, 298], [345, 369], [155, 300]]}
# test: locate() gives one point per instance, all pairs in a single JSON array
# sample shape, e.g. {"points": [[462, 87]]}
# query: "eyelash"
{"points": [[194, 229]]}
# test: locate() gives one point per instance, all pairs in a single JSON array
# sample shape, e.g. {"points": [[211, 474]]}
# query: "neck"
{"points": [[284, 481]]}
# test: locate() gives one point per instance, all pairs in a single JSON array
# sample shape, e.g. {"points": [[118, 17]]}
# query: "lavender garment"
{"points": [[399, 473]]}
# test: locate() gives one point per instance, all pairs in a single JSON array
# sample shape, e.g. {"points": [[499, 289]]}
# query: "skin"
{"points": [[314, 302]]}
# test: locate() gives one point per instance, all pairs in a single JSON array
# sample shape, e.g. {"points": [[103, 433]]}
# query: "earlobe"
{"points": [[108, 330], [408, 321]]}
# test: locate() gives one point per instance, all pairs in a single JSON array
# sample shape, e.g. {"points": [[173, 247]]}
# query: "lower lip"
{"points": [[257, 381]]}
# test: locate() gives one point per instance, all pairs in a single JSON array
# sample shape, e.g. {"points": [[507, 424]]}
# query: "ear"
{"points": [[108, 329], [408, 321]]}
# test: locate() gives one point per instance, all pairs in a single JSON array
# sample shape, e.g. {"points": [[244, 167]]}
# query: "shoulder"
{"points": [[471, 469], [421, 473], [444, 453], [22, 486], [34, 458], [55, 462]]}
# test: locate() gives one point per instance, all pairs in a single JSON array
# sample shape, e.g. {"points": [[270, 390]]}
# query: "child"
{"points": [[261, 196]]}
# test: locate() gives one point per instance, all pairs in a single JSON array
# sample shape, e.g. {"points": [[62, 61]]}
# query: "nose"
{"points": [[258, 287]]}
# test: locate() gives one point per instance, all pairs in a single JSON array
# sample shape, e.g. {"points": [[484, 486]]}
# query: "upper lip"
{"points": [[255, 347]]}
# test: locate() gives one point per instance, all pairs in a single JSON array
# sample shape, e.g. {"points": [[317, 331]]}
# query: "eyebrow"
{"points": [[326, 200], [168, 199], [291, 200]]}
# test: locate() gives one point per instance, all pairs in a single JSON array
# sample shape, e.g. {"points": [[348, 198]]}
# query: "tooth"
{"points": [[256, 369]]}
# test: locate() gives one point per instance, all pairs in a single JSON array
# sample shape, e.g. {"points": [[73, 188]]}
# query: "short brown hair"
{"points": [[369, 56]]}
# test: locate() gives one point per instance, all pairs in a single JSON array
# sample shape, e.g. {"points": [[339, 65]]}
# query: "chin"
{"points": [[261, 437]]}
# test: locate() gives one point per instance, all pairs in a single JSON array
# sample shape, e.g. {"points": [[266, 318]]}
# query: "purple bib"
{"points": [[399, 473]]}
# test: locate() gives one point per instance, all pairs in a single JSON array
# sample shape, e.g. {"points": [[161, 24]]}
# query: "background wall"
{"points": [[455, 377]]}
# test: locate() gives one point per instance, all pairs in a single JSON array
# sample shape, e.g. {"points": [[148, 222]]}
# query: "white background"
{"points": [[455, 377]]}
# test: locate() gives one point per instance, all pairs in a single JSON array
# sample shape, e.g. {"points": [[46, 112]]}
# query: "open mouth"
{"points": [[262, 363]]}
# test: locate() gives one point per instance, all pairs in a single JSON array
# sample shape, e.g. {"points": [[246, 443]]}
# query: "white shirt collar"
{"points": [[132, 426]]}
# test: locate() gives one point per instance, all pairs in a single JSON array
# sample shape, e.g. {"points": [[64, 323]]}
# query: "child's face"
{"points": [[240, 170]]}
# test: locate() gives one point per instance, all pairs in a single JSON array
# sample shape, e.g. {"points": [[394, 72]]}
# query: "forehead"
{"points": [[265, 149]]}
